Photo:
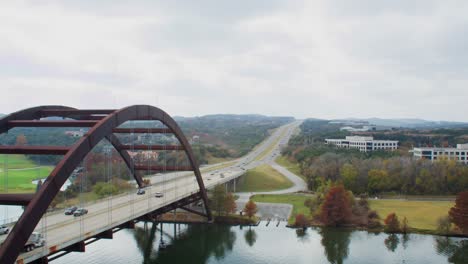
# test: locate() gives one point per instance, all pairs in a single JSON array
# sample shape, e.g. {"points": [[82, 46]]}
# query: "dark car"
{"points": [[140, 192], [70, 210], [80, 212]]}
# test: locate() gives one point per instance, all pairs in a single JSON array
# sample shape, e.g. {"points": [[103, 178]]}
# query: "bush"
{"points": [[404, 225], [444, 225], [103, 189], [373, 215]]}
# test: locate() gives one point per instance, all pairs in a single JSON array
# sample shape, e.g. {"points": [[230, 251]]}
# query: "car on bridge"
{"points": [[70, 210], [4, 229], [158, 195], [80, 212]]}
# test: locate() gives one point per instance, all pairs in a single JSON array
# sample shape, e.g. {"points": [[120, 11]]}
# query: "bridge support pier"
{"points": [[42, 260], [108, 234], [77, 247], [128, 225]]}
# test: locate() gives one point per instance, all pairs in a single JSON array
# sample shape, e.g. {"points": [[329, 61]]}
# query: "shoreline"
{"points": [[235, 220]]}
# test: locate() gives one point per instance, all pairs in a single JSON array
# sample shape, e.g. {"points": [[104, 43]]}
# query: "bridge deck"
{"points": [[61, 230]]}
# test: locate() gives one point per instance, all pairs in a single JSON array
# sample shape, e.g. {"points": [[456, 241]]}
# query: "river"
{"points": [[267, 244]]}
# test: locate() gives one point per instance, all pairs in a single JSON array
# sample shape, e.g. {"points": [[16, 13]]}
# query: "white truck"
{"points": [[35, 240]]}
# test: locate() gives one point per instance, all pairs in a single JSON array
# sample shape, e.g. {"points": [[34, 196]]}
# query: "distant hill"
{"points": [[226, 117], [409, 123]]}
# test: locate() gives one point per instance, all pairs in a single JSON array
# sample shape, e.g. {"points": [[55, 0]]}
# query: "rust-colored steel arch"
{"points": [[102, 125], [73, 113]]}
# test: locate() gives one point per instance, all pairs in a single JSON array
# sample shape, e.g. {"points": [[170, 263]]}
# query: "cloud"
{"points": [[303, 58]]}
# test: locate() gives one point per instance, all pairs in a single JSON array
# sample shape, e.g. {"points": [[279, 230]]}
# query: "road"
{"points": [[299, 183], [61, 230]]}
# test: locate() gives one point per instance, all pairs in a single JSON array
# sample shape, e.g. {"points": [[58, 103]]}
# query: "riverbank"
{"points": [[189, 218], [422, 216]]}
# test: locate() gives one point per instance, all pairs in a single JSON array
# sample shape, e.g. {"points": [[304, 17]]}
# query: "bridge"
{"points": [[180, 185]]}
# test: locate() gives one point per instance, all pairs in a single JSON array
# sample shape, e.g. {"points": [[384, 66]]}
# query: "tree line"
{"points": [[399, 175], [374, 172]]}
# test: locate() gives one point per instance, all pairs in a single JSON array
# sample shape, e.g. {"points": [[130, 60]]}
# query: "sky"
{"points": [[323, 59]]}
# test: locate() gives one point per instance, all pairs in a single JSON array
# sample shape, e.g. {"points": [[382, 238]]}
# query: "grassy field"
{"points": [[420, 214], [292, 167], [21, 172], [15, 162], [296, 200], [263, 178]]}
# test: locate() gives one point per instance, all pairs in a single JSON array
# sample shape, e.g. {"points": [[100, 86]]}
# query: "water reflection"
{"points": [[457, 251], [302, 235], [195, 245], [336, 244], [250, 237], [405, 240], [391, 242]]}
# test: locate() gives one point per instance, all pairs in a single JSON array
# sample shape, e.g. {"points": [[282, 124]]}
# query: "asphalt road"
{"points": [[275, 211]]}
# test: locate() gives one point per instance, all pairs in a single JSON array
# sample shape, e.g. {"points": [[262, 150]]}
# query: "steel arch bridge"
{"points": [[102, 124]]}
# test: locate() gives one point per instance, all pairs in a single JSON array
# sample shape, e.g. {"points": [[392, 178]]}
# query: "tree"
{"points": [[378, 181], [230, 203], [336, 208], [21, 140], [301, 221], [404, 225], [250, 208], [218, 199], [349, 175], [459, 213], [444, 225], [392, 224]]}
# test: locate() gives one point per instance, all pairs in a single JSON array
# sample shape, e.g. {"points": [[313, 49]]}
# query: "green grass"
{"points": [[263, 178], [20, 180], [290, 166], [420, 214], [296, 200], [15, 162], [21, 172]]}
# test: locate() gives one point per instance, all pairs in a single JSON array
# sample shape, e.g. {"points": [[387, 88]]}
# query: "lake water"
{"points": [[262, 244]]}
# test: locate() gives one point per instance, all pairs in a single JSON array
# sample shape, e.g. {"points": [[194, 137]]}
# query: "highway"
{"points": [[61, 230]]}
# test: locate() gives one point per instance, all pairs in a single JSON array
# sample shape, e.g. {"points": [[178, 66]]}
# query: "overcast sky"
{"points": [[325, 59]]}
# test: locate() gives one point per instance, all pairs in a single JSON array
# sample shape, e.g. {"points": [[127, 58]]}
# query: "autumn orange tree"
{"points": [[250, 208], [301, 220], [392, 224], [21, 140], [336, 208], [459, 213]]}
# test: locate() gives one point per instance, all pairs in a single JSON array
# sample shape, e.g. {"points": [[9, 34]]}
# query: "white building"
{"points": [[354, 129], [364, 144], [460, 153]]}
